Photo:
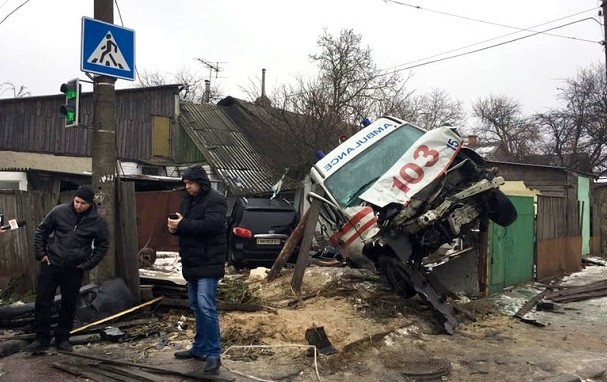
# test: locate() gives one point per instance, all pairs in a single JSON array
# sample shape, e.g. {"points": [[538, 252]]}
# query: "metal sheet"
{"points": [[227, 149], [153, 209]]}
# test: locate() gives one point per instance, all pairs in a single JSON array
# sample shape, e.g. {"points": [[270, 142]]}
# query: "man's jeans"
{"points": [[201, 294]]}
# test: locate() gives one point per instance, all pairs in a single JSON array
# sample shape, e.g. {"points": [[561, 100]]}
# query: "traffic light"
{"points": [[71, 89]]}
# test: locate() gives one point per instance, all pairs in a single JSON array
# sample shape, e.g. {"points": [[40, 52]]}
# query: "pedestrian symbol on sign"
{"points": [[107, 49], [108, 54]]}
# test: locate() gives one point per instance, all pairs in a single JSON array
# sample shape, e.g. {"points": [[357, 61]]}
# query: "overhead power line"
{"points": [[485, 21], [119, 13], [488, 47], [491, 39], [14, 10], [391, 72]]}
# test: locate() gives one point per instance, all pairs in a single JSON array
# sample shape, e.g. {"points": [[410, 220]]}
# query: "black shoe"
{"points": [[36, 347], [212, 366], [64, 346], [187, 354]]}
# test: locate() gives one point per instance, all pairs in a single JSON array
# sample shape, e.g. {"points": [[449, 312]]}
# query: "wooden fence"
{"points": [[17, 262], [558, 235], [18, 266]]}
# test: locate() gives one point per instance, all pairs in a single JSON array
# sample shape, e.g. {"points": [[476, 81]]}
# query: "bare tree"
{"points": [[312, 113], [17, 92], [348, 77], [577, 130], [193, 86], [437, 108], [148, 79], [502, 121]]}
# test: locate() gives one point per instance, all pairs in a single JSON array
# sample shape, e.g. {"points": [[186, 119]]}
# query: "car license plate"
{"points": [[268, 241]]}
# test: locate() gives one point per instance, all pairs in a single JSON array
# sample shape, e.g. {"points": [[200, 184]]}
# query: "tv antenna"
{"points": [[213, 67]]}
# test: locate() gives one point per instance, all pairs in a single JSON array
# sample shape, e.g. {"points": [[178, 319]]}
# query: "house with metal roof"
{"points": [[156, 134], [286, 139]]}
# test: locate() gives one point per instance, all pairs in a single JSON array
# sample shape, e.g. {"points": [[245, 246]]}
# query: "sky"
{"points": [[40, 42]]}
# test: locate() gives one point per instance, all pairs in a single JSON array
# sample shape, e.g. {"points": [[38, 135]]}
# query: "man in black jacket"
{"points": [[71, 239], [202, 246]]}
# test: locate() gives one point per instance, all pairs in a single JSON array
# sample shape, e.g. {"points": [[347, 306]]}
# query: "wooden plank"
{"points": [[120, 314], [288, 248], [112, 375], [531, 303], [134, 374], [306, 244], [483, 263], [198, 377], [77, 371], [579, 289], [582, 296]]}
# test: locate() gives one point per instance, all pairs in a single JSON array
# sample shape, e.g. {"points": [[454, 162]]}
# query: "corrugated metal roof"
{"points": [[287, 139], [227, 149]]}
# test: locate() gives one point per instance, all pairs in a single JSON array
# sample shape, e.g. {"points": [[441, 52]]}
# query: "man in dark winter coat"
{"points": [[202, 246], [71, 239]]}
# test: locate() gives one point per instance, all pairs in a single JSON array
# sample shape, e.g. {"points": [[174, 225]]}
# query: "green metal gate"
{"points": [[511, 249]]}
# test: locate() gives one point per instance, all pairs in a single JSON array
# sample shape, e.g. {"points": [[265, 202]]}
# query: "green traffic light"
{"points": [[71, 89]]}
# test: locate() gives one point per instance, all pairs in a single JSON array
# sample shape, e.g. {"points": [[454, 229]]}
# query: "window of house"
{"points": [[161, 140]]}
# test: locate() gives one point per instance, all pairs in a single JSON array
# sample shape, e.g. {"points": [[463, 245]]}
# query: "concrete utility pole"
{"points": [[104, 151], [604, 6]]}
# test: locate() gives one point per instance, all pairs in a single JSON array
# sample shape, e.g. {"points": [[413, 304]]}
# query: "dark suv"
{"points": [[258, 229]]}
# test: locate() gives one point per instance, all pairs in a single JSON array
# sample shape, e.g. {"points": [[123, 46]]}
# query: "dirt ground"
{"points": [[377, 336]]}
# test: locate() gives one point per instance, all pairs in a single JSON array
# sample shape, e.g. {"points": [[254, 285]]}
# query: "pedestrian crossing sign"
{"points": [[107, 49]]}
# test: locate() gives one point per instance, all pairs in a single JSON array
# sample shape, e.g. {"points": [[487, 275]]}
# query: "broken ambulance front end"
{"points": [[349, 170], [394, 193]]}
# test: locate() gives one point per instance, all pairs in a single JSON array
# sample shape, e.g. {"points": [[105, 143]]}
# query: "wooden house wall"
{"points": [[184, 148], [550, 181], [35, 125]]}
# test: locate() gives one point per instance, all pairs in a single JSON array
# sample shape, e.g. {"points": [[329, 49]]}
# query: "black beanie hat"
{"points": [[86, 193]]}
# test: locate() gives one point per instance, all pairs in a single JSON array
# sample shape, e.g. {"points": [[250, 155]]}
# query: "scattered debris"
{"points": [[89, 371], [109, 297], [258, 273], [316, 336], [11, 347], [303, 297], [247, 347], [579, 293], [112, 333], [531, 304], [549, 306], [425, 368], [182, 324], [530, 318], [594, 261]]}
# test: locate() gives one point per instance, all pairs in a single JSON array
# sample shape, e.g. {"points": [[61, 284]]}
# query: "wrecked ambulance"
{"points": [[393, 193]]}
